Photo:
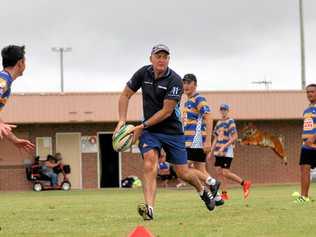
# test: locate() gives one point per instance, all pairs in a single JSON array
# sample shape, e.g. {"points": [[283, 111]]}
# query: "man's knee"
{"points": [[151, 161]]}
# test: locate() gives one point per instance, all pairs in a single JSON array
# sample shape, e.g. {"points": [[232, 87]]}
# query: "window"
{"points": [[43, 147]]}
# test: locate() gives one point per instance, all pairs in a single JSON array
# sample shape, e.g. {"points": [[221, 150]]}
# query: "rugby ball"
{"points": [[123, 139]]}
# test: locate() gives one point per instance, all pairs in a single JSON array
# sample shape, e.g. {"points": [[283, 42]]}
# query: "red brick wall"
{"points": [[132, 164], [12, 172], [258, 164], [13, 178], [261, 164], [89, 170]]}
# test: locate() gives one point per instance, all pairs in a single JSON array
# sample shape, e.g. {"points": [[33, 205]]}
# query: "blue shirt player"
{"points": [[13, 62], [162, 89]]}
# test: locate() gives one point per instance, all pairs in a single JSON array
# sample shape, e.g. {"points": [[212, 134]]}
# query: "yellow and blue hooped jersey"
{"points": [[5, 88], [193, 125], [309, 127], [224, 129]]}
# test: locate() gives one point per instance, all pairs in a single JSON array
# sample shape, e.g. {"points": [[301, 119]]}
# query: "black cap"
{"points": [[160, 47], [189, 77]]}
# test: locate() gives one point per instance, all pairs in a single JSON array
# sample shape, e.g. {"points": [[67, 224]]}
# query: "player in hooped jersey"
{"points": [[225, 135], [308, 150], [197, 126], [13, 62]]}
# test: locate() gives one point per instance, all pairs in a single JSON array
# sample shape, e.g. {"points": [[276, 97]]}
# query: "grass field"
{"points": [[270, 211]]}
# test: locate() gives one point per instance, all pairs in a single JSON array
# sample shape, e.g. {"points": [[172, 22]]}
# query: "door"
{"points": [[68, 144], [109, 162]]}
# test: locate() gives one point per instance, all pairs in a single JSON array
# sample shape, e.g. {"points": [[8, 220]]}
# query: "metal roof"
{"points": [[103, 107]]}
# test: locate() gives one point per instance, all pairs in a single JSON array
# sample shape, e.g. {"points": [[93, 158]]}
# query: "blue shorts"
{"points": [[173, 145]]}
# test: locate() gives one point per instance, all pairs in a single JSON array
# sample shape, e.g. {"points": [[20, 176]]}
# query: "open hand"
{"points": [[5, 129], [25, 145]]}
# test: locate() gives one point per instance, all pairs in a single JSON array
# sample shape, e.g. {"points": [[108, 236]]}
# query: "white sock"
{"points": [[151, 208], [218, 198], [210, 181]]}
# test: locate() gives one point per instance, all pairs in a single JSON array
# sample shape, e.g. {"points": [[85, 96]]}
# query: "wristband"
{"points": [[146, 125]]}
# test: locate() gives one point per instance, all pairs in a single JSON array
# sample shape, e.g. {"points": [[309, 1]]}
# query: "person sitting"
{"points": [[48, 169], [60, 169], [58, 158], [36, 160]]}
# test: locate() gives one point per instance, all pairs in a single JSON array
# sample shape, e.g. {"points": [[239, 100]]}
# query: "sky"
{"points": [[227, 44]]}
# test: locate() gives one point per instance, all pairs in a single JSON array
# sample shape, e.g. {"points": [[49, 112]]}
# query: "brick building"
{"points": [[80, 126]]}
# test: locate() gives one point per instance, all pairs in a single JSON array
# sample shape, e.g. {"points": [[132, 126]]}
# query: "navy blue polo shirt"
{"points": [[154, 92]]}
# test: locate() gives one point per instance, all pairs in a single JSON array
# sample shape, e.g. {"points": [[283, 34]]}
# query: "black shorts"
{"points": [[165, 177], [196, 154], [308, 157], [223, 162]]}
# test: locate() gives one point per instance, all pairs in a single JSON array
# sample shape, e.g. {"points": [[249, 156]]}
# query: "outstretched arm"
{"points": [[21, 143], [5, 129]]}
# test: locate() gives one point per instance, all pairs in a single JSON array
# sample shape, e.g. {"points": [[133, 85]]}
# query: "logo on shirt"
{"points": [[175, 90], [308, 124]]}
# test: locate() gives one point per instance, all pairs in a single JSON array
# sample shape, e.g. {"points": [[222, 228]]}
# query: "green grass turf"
{"points": [[270, 211]]}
